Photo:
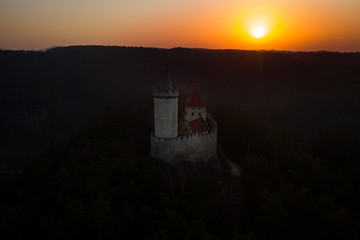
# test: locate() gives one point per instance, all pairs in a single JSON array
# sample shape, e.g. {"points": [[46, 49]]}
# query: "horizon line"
{"points": [[170, 48]]}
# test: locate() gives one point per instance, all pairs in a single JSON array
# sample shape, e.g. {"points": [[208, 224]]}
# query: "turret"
{"points": [[195, 107], [166, 109]]}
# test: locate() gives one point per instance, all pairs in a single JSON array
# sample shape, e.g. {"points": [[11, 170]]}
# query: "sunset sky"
{"points": [[242, 24]]}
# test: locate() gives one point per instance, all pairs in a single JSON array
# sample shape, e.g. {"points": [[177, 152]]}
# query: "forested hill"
{"points": [[47, 96], [78, 120]]}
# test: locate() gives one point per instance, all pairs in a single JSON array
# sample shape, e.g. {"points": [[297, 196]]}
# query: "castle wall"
{"points": [[193, 147], [166, 117]]}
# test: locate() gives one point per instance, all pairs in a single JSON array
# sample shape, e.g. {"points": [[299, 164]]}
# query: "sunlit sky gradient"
{"points": [[290, 24]]}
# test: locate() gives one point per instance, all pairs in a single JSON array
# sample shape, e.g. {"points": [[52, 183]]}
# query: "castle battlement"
{"points": [[195, 135], [160, 92]]}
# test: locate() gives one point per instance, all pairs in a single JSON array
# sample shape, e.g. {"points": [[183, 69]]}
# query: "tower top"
{"points": [[167, 81], [166, 90]]}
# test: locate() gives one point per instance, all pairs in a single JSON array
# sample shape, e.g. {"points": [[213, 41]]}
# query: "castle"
{"points": [[193, 137]]}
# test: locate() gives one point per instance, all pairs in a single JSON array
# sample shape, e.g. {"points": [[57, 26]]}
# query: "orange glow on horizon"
{"points": [[261, 24]]}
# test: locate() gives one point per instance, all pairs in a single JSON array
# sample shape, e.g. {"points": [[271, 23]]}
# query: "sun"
{"points": [[259, 24], [258, 31]]}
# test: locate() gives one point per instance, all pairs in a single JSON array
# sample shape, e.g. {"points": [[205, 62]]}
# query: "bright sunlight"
{"points": [[259, 25], [258, 31]]}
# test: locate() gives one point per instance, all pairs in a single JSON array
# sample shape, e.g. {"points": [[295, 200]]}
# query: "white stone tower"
{"points": [[166, 109]]}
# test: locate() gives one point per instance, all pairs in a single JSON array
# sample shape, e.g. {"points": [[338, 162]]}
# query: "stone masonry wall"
{"points": [[191, 147], [166, 117]]}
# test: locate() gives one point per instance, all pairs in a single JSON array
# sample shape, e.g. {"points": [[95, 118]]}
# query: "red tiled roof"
{"points": [[196, 124], [194, 100]]}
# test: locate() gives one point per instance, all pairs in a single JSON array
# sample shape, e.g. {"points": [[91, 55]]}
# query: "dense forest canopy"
{"points": [[47, 96], [77, 121]]}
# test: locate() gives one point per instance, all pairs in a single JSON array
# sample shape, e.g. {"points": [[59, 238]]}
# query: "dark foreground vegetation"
{"points": [[291, 120]]}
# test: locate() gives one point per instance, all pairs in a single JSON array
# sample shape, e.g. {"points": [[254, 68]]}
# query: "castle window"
{"points": [[192, 114], [185, 113], [199, 114], [185, 129]]}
